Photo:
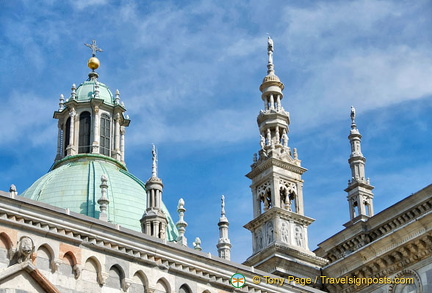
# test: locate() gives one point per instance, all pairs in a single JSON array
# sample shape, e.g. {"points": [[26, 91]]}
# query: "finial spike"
{"points": [[181, 224], [61, 103], [117, 97], [222, 205], [13, 191], [155, 160], [197, 244], [103, 201]]}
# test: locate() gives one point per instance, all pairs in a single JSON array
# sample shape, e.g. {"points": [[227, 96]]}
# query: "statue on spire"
{"points": [[154, 164], [223, 205], [270, 49], [353, 114], [94, 48]]}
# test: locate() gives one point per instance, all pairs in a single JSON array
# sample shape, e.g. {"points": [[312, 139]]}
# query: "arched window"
{"points": [[84, 133], [67, 135], [185, 289], [105, 132]]}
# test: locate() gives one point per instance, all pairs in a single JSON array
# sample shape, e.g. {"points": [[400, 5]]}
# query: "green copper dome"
{"points": [[73, 183], [85, 91]]}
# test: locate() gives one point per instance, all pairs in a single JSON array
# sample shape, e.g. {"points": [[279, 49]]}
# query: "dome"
{"points": [[85, 92], [73, 183]]}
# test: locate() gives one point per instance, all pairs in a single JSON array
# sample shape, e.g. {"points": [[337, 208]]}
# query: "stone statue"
{"points": [[262, 141], [284, 138], [285, 232], [269, 232], [154, 161], [270, 44], [270, 49], [277, 135], [353, 114], [259, 240], [269, 141], [298, 236], [24, 250]]}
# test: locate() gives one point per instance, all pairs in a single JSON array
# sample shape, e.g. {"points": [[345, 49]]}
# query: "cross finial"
{"points": [[94, 48]]}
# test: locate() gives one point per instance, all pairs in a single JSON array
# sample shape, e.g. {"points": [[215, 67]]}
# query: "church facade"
{"points": [[89, 225]]}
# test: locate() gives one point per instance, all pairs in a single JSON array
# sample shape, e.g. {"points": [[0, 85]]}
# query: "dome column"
{"points": [[122, 143], [116, 153], [96, 129], [70, 150], [59, 140]]}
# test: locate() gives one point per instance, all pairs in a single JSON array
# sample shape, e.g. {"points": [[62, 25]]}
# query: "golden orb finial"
{"points": [[93, 63]]}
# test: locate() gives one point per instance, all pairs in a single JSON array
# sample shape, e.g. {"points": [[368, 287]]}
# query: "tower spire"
{"points": [[154, 221], [224, 244], [279, 226], [359, 190]]}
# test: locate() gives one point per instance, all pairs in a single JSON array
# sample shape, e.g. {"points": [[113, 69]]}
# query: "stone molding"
{"points": [[80, 230]]}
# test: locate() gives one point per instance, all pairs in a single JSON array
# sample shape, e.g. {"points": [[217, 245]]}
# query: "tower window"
{"points": [[84, 133], [67, 135], [105, 132]]}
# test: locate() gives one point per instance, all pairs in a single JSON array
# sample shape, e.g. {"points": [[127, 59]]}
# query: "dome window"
{"points": [[105, 131], [84, 133]]}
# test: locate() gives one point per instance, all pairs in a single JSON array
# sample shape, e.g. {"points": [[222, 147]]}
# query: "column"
{"points": [[117, 137], [96, 131], [122, 143]]}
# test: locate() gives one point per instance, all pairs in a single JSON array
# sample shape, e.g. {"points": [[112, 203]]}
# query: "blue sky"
{"points": [[189, 73]]}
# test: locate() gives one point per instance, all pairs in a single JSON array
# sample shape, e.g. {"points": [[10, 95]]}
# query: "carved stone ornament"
{"points": [[24, 251]]}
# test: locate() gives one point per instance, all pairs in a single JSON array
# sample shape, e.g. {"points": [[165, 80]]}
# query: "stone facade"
{"points": [[70, 252]]}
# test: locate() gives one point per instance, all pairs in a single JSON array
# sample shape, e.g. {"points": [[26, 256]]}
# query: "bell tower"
{"points": [[279, 226]]}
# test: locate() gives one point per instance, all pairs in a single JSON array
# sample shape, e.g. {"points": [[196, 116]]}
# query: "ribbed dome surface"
{"points": [[74, 184], [85, 92]]}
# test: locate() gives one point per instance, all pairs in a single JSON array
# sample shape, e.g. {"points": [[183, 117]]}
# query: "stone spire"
{"points": [[279, 226], [154, 161], [359, 190], [181, 224], [103, 201], [224, 244], [154, 221]]}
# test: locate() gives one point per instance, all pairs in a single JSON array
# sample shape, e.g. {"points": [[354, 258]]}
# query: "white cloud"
{"points": [[83, 4], [26, 117]]}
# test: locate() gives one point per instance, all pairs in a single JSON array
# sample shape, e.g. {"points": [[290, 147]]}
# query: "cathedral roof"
{"points": [[74, 184]]}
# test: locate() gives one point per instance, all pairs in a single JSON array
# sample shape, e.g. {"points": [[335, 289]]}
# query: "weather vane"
{"points": [[94, 48]]}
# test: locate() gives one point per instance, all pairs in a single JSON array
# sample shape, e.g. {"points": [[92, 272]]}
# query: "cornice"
{"points": [[367, 232], [281, 213], [76, 229], [270, 162]]}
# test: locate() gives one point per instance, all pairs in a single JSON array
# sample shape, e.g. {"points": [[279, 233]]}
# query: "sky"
{"points": [[189, 73]]}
